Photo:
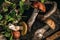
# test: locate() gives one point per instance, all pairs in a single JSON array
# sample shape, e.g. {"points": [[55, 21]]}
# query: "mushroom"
{"points": [[36, 6], [49, 32], [54, 36], [23, 28], [49, 24], [50, 12], [16, 35]]}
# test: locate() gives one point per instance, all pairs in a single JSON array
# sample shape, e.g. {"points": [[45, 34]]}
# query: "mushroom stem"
{"points": [[19, 27], [15, 28], [39, 33], [54, 36], [50, 32], [46, 27], [32, 18], [51, 11]]}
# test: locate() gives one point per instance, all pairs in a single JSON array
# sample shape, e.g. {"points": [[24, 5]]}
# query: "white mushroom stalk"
{"points": [[32, 18], [51, 11], [15, 28], [39, 33]]}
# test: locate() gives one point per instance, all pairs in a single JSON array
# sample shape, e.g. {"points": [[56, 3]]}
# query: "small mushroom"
{"points": [[40, 6], [50, 24], [16, 35], [24, 31], [23, 28], [49, 32], [36, 6]]}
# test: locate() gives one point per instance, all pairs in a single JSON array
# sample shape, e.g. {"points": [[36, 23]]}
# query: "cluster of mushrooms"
{"points": [[26, 26], [39, 34]]}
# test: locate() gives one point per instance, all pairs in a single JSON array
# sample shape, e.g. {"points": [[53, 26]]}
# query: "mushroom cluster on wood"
{"points": [[16, 33], [50, 12], [50, 24], [37, 6], [23, 28]]}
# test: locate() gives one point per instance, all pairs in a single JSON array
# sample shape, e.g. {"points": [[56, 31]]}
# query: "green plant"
{"points": [[9, 16], [43, 1]]}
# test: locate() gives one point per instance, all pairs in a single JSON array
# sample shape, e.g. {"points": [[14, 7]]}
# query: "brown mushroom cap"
{"points": [[42, 7], [24, 31], [16, 34], [51, 23], [39, 6], [35, 5]]}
